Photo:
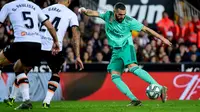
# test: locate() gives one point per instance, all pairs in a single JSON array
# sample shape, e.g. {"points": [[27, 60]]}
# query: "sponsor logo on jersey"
{"points": [[23, 33]]}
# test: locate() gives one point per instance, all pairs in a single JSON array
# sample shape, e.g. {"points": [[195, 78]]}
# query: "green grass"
{"points": [[110, 106]]}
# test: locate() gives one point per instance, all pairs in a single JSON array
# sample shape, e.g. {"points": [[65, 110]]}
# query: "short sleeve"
{"points": [[104, 15], [42, 17], [3, 13], [74, 21], [135, 25]]}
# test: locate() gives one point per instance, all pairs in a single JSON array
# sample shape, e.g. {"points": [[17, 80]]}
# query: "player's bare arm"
{"points": [[52, 31], [76, 45], [89, 12], [152, 32]]}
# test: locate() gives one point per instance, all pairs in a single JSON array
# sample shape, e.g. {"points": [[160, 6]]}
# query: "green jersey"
{"points": [[119, 34]]}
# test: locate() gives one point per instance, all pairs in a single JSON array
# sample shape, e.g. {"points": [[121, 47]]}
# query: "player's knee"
{"points": [[53, 83], [132, 65], [23, 80], [133, 68], [55, 77], [115, 72], [115, 76]]}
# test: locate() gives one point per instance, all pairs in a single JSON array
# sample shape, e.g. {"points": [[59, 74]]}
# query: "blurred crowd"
{"points": [[185, 37]]}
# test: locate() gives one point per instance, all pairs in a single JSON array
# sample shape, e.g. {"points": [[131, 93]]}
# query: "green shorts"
{"points": [[121, 58]]}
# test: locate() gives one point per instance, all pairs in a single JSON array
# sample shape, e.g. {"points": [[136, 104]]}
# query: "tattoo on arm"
{"points": [[76, 40]]}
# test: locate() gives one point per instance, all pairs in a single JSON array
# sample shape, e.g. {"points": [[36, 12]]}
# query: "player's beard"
{"points": [[119, 19]]}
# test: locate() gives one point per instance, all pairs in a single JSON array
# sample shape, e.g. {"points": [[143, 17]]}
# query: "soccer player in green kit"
{"points": [[118, 27]]}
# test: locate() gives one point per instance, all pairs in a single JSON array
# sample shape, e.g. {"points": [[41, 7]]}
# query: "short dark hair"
{"points": [[120, 5]]}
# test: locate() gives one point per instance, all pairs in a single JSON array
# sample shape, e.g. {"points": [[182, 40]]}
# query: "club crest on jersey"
{"points": [[23, 33]]}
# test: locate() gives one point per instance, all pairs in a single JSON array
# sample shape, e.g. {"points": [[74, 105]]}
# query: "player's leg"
{"points": [[116, 68], [23, 82], [28, 58], [55, 63], [3, 60], [147, 77], [131, 61], [135, 69], [52, 86], [8, 56], [15, 90]]}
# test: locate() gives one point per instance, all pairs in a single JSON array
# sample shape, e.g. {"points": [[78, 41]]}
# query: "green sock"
{"points": [[122, 86], [143, 75]]}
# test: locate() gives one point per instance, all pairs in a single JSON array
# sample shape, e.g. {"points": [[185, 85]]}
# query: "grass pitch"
{"points": [[110, 106]]}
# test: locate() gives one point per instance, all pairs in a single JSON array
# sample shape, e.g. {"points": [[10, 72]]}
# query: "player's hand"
{"points": [[82, 10], [166, 41], [79, 63], [55, 48]]}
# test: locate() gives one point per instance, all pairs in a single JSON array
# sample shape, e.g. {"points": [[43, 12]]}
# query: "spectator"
{"points": [[82, 27], [86, 58], [70, 58], [170, 36], [143, 39], [66, 42], [193, 30], [177, 58], [99, 58], [89, 49], [161, 52], [77, 13], [169, 50], [194, 25], [145, 23], [153, 45], [193, 58], [191, 38], [165, 24], [180, 29], [97, 28], [154, 59], [90, 43], [165, 59], [106, 53], [183, 51], [148, 52], [69, 49], [194, 50], [105, 42], [138, 50], [96, 42]]}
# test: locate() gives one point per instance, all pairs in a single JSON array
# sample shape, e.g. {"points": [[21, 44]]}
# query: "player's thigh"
{"points": [[9, 54], [3, 60], [129, 55], [31, 55], [116, 65], [20, 67]]}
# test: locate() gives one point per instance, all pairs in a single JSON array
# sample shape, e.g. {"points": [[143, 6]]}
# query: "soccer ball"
{"points": [[153, 91]]}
